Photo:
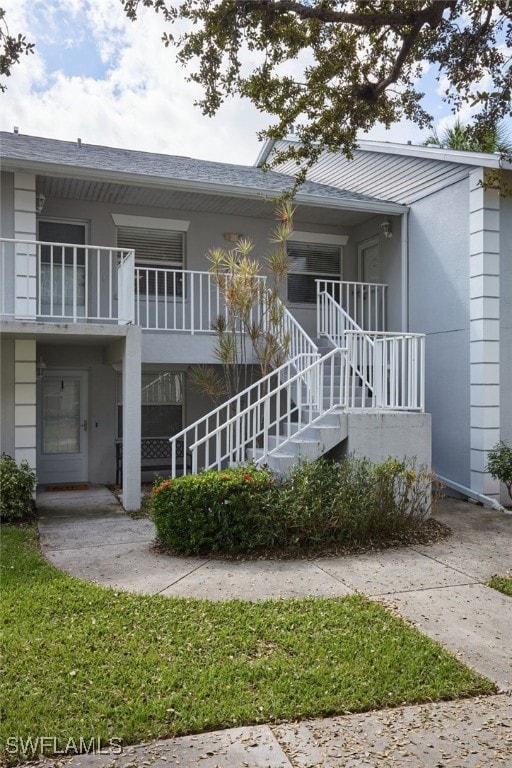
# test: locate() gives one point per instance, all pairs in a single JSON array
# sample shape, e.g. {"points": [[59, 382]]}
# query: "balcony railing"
{"points": [[59, 281], [182, 300]]}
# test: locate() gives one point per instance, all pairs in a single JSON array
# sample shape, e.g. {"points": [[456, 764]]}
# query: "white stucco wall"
{"points": [[380, 435], [439, 307], [390, 263], [7, 204], [7, 396], [506, 321]]}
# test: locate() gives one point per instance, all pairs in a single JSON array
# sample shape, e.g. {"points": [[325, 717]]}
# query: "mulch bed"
{"points": [[426, 532]]}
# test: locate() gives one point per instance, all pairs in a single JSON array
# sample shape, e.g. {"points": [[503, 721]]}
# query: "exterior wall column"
{"points": [[25, 267], [131, 418], [25, 401], [484, 317]]}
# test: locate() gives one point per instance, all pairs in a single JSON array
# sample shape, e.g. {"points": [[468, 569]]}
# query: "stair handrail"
{"points": [[331, 311], [398, 368], [292, 337], [240, 421]]}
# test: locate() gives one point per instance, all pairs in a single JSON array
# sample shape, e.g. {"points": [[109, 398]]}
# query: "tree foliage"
{"points": [[499, 464], [334, 68], [11, 49], [462, 137]]}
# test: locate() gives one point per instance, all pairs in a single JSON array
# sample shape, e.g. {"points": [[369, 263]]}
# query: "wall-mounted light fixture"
{"points": [[40, 201], [386, 229], [233, 237], [40, 368]]}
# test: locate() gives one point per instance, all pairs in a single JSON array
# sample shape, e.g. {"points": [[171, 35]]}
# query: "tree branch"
{"points": [[431, 15]]}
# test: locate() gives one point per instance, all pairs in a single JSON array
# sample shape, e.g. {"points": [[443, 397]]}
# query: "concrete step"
{"points": [[314, 441]]}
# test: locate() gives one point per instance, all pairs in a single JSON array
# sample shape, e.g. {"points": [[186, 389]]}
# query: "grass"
{"points": [[83, 661], [502, 584]]}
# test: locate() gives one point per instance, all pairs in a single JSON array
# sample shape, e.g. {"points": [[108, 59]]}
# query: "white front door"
{"points": [[63, 428]]}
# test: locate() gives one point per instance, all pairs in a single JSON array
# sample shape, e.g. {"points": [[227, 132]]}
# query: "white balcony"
{"points": [[62, 282]]}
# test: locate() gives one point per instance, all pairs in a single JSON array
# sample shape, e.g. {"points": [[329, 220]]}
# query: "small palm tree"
{"points": [[467, 139]]}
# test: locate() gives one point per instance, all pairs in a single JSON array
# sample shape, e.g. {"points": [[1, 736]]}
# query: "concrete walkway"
{"points": [[440, 588]]}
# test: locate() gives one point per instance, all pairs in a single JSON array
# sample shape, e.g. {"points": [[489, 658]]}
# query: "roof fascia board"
{"points": [[368, 206], [434, 153], [264, 152], [187, 185], [482, 159]]}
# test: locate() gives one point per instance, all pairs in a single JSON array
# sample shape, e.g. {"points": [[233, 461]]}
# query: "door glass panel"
{"points": [[61, 415], [371, 264]]}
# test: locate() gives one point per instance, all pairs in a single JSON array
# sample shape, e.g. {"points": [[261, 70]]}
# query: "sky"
{"points": [[97, 76]]}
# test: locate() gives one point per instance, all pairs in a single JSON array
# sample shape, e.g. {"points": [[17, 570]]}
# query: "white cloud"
{"points": [[139, 97], [142, 101]]}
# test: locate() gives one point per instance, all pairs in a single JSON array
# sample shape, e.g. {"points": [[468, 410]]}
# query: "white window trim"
{"points": [[318, 237], [149, 222], [85, 223]]}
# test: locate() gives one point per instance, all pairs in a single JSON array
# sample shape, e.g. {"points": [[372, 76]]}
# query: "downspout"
{"points": [[404, 259], [487, 501]]}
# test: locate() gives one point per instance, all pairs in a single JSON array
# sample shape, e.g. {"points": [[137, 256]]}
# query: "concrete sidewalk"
{"points": [[440, 588]]}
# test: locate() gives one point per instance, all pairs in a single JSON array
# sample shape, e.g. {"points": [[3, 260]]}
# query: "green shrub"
{"points": [[213, 511], [17, 484], [499, 464], [319, 505], [352, 501]]}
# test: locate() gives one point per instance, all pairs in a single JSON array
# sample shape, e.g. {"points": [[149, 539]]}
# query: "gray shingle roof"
{"points": [[107, 160]]}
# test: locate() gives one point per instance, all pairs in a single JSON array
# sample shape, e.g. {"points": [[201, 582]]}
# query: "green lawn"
{"points": [[502, 584], [84, 661]]}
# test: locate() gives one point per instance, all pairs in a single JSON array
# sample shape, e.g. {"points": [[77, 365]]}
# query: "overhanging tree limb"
{"points": [[333, 69]]}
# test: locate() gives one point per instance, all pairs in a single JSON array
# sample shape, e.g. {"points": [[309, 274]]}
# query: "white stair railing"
{"points": [[388, 370], [384, 369], [299, 343], [365, 303], [334, 324], [278, 406]]}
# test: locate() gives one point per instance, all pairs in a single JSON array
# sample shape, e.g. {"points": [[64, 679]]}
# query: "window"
{"points": [[310, 262], [161, 404], [156, 251]]}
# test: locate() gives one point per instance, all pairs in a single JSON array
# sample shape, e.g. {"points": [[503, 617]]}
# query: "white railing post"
{"points": [[126, 286]]}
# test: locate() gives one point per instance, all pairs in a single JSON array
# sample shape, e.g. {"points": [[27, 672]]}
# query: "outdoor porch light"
{"points": [[232, 237], [40, 368], [386, 229], [40, 201]]}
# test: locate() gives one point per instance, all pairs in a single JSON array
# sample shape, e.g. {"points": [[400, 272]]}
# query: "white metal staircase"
{"points": [[301, 408]]}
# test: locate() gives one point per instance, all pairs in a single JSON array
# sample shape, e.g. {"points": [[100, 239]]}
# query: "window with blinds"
{"points": [[156, 252], [310, 262], [162, 396]]}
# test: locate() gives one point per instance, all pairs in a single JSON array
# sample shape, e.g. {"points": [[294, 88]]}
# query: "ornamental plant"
{"points": [[251, 331], [213, 511], [17, 484], [499, 464]]}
